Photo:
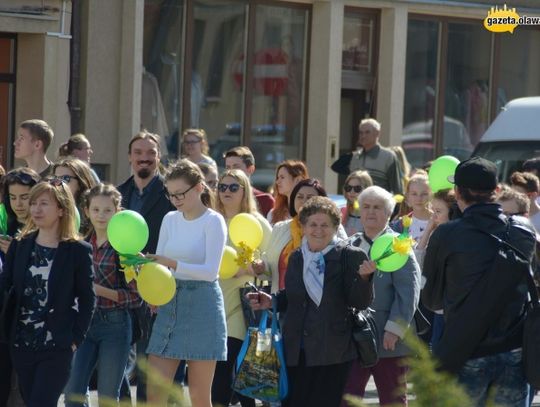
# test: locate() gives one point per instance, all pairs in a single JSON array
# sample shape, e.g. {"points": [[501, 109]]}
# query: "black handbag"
{"points": [[365, 336], [7, 313], [252, 318]]}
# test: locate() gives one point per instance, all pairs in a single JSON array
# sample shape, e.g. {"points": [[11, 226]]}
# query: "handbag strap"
{"points": [[533, 292], [264, 319], [275, 327]]}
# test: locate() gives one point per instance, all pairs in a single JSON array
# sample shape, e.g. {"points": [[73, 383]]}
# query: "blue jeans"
{"points": [[499, 377], [106, 347]]}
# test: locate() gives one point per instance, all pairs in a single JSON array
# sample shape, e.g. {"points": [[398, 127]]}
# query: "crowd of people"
{"points": [[75, 313]]}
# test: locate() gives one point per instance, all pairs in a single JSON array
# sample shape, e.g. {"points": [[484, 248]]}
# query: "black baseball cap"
{"points": [[475, 173]]}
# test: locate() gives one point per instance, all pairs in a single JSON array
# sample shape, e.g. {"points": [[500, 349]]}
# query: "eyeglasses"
{"points": [[192, 141], [180, 195], [20, 178], [349, 188], [231, 187], [65, 178], [56, 181]]}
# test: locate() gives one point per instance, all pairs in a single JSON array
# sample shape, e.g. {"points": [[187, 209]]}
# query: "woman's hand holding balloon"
{"points": [[5, 241], [257, 267], [164, 261], [366, 269]]}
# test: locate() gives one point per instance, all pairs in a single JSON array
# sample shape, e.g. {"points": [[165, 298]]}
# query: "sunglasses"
{"points": [[20, 178], [231, 187], [65, 178], [349, 188], [180, 195], [56, 181]]}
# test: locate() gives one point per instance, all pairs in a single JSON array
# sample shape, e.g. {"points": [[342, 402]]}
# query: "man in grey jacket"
{"points": [[379, 161]]}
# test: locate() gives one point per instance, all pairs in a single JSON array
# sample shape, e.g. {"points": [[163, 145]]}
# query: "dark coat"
{"points": [[457, 266], [325, 332], [157, 205], [71, 278]]}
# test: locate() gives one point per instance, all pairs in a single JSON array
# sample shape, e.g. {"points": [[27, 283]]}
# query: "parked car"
{"points": [[417, 141], [513, 137]]}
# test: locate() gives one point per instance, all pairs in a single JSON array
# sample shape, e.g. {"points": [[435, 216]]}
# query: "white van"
{"points": [[513, 137]]}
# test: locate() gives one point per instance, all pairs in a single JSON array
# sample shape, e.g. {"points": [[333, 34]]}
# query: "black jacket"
{"points": [[71, 278], [457, 267], [325, 332], [157, 205]]}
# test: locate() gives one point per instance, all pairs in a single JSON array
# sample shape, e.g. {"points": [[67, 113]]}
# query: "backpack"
{"points": [[531, 327]]}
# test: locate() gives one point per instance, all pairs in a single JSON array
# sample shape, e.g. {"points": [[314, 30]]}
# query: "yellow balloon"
{"points": [[228, 267], [245, 227], [156, 284]]}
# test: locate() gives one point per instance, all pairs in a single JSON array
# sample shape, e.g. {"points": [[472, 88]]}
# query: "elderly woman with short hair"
{"points": [[396, 299], [324, 278]]}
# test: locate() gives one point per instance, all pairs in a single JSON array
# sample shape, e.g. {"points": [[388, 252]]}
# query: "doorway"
{"points": [[355, 106]]}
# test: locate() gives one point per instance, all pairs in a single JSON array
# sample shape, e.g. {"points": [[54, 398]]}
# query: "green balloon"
{"points": [[127, 232], [382, 245], [440, 170]]}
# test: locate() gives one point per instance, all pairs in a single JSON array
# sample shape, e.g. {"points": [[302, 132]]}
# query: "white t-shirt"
{"points": [[416, 230], [535, 220], [197, 245]]}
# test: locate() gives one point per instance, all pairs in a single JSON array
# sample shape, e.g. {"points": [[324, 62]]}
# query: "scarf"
{"points": [[314, 268], [296, 239]]}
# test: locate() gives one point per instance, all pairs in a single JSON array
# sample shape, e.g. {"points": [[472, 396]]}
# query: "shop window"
{"points": [[517, 71], [163, 59], [235, 68], [277, 101], [420, 91], [7, 96], [358, 39], [216, 93], [466, 102]]}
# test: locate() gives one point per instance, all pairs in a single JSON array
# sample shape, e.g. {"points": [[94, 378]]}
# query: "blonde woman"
{"points": [[195, 147], [355, 183], [50, 268], [235, 196], [76, 174]]}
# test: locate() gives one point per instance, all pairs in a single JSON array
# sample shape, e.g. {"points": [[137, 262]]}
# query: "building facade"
{"points": [[290, 79]]}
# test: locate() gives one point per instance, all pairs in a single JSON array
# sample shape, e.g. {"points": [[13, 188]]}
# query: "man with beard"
{"points": [[145, 192], [380, 162]]}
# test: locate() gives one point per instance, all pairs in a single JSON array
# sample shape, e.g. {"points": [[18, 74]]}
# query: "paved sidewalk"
{"points": [[371, 398]]}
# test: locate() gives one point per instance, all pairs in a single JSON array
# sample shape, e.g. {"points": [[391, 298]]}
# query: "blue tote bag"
{"points": [[261, 372]]}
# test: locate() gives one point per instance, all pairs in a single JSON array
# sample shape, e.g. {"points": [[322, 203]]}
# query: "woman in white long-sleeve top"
{"points": [[192, 325]]}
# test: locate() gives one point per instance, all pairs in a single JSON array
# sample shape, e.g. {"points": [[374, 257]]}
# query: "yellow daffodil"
{"points": [[406, 221], [129, 273], [245, 255], [399, 198], [356, 205], [402, 245]]}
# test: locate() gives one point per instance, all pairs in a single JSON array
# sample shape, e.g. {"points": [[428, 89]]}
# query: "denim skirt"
{"points": [[192, 325]]}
